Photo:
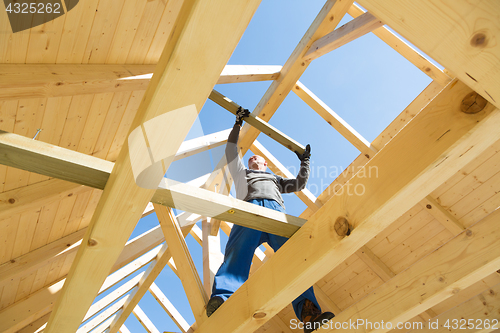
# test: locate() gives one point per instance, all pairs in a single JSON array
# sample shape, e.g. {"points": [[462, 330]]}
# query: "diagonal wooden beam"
{"points": [[443, 216], [466, 259], [459, 35], [169, 308], [49, 80], [149, 277], [350, 31], [257, 123], [325, 22], [144, 320], [406, 50], [447, 140], [356, 139], [187, 271]]}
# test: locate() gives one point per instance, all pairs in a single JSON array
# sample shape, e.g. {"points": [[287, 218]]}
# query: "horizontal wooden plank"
{"points": [[225, 208], [59, 162], [54, 80]]}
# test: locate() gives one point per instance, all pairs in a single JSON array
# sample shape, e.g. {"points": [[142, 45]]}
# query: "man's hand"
{"points": [[240, 114], [306, 155]]}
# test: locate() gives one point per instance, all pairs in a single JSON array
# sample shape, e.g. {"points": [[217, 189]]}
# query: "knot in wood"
{"points": [[468, 233], [428, 206], [259, 315], [473, 103], [92, 242], [479, 40], [342, 226], [12, 200]]}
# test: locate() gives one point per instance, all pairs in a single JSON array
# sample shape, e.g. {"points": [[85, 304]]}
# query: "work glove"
{"points": [[306, 155], [240, 114]]}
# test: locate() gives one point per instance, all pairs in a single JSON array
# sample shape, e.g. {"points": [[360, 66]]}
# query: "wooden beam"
{"points": [[356, 139], [350, 31], [325, 22], [406, 50], [144, 320], [204, 143], [105, 325], [149, 277], [257, 123], [466, 259], [212, 256], [101, 317], [187, 271], [248, 73], [208, 28], [169, 308], [124, 329], [113, 296], [37, 195], [442, 215], [53, 161], [91, 171], [459, 35], [56, 80], [196, 200], [447, 139]]}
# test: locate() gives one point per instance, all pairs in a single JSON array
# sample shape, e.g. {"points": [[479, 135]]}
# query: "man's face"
{"points": [[257, 163]]}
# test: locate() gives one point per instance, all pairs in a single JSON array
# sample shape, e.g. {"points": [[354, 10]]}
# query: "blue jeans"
{"points": [[238, 256]]}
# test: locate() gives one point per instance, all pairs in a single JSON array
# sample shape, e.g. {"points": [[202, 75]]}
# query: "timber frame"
{"points": [[421, 245]]}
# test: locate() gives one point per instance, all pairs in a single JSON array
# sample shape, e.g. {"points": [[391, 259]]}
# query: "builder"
{"points": [[256, 186]]}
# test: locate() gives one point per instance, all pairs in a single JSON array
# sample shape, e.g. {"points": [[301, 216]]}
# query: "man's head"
{"points": [[257, 163]]}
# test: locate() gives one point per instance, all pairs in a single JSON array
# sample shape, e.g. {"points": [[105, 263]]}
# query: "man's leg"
{"points": [[237, 260], [276, 242]]}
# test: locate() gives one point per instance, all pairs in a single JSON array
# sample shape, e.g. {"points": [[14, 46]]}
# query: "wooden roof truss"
{"points": [[441, 149]]}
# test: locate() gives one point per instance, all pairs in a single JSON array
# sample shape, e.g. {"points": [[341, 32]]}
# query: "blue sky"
{"points": [[366, 82]]}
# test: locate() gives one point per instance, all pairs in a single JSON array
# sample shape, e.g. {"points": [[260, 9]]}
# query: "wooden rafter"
{"points": [[350, 31], [149, 277], [188, 274], [302, 260], [258, 123], [144, 320], [169, 308], [334, 120]]}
